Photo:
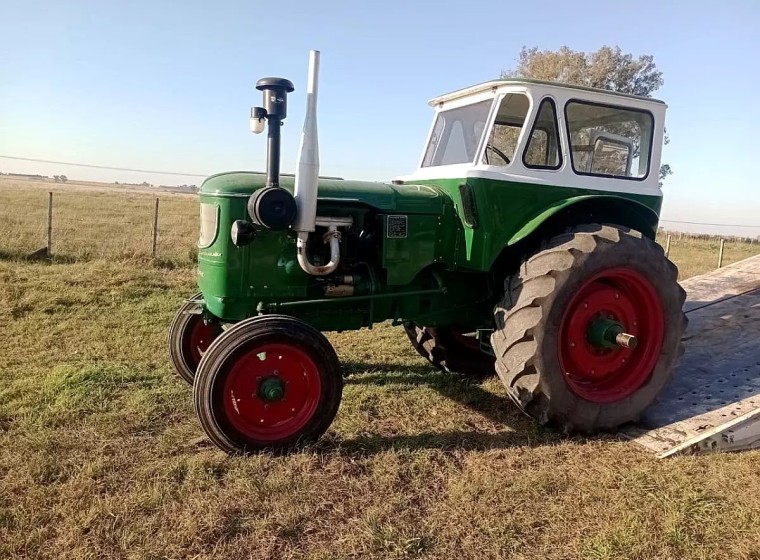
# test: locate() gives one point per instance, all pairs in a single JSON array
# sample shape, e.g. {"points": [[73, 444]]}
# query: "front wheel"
{"points": [[589, 329], [270, 382], [190, 335]]}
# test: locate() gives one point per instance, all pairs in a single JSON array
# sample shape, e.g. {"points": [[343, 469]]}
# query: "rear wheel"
{"points": [[270, 382], [589, 329], [190, 335], [450, 349]]}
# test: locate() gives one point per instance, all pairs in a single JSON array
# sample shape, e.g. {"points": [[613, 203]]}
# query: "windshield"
{"points": [[456, 135]]}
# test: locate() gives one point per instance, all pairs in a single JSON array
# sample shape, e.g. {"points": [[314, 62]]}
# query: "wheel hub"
{"points": [[271, 389], [608, 333], [611, 334]]}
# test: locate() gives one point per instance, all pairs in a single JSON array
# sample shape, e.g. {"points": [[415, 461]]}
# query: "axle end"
{"points": [[626, 340]]}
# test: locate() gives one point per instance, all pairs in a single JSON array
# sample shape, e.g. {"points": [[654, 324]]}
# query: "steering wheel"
{"points": [[497, 151]]}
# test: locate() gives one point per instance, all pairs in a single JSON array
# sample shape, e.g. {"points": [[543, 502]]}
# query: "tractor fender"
{"points": [[591, 209]]}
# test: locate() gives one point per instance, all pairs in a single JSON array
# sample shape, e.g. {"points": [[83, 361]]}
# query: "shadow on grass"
{"points": [[521, 436], [36, 256], [39, 256], [519, 429], [459, 388]]}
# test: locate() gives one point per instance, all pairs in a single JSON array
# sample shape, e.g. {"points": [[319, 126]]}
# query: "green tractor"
{"points": [[523, 244]]}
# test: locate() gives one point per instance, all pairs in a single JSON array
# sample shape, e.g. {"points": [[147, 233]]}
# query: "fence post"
{"points": [[720, 253], [50, 225], [667, 247], [155, 228]]}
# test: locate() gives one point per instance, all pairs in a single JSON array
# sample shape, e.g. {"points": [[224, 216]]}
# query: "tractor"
{"points": [[523, 244]]}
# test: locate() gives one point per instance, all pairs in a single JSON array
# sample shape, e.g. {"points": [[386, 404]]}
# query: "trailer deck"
{"points": [[713, 402]]}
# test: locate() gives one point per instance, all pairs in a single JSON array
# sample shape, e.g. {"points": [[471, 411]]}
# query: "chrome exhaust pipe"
{"points": [[307, 174]]}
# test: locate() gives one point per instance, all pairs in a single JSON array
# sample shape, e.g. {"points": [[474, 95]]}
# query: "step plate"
{"points": [[713, 401]]}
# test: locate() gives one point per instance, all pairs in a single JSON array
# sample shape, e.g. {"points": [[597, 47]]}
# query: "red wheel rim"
{"points": [[201, 337], [263, 420], [605, 375]]}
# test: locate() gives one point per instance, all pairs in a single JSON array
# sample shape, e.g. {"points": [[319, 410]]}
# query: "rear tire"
{"points": [[448, 349], [270, 352], [544, 355], [190, 335]]}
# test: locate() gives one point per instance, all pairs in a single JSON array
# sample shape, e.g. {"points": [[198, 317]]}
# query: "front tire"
{"points": [[190, 335], [547, 356], [269, 383]]}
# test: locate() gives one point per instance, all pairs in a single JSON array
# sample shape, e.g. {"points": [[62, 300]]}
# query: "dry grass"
{"points": [[90, 223], [697, 256], [101, 456]]}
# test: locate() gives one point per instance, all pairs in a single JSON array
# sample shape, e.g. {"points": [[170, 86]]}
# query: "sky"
{"points": [[163, 85]]}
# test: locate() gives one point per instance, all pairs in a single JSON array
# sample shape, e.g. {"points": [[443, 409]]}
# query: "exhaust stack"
{"points": [[307, 178], [307, 174]]}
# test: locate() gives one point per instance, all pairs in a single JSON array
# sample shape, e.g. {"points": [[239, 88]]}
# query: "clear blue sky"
{"points": [[168, 85]]}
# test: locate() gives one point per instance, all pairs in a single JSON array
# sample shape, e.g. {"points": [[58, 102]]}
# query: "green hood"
{"points": [[410, 199]]}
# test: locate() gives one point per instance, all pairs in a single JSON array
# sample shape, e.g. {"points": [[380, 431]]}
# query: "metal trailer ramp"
{"points": [[713, 402]]}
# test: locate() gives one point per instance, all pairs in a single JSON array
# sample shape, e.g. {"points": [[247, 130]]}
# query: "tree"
{"points": [[607, 68]]}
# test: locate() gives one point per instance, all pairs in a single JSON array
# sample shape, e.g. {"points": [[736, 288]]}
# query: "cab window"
{"points": [[456, 135], [510, 118], [609, 141], [542, 150]]}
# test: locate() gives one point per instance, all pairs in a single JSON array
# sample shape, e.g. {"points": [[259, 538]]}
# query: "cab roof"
{"points": [[495, 84]]}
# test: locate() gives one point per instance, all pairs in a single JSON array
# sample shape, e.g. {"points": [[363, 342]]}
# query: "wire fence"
{"points": [[89, 224], [86, 225]]}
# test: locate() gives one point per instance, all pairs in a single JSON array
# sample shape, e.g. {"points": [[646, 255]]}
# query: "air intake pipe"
{"points": [[272, 207]]}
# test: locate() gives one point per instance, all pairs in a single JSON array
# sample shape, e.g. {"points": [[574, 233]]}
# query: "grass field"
{"points": [[101, 455], [91, 222]]}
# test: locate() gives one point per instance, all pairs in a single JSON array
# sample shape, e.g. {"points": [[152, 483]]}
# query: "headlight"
{"points": [[242, 232], [209, 224]]}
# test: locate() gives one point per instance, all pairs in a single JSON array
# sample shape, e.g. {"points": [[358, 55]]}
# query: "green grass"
{"points": [[101, 456]]}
